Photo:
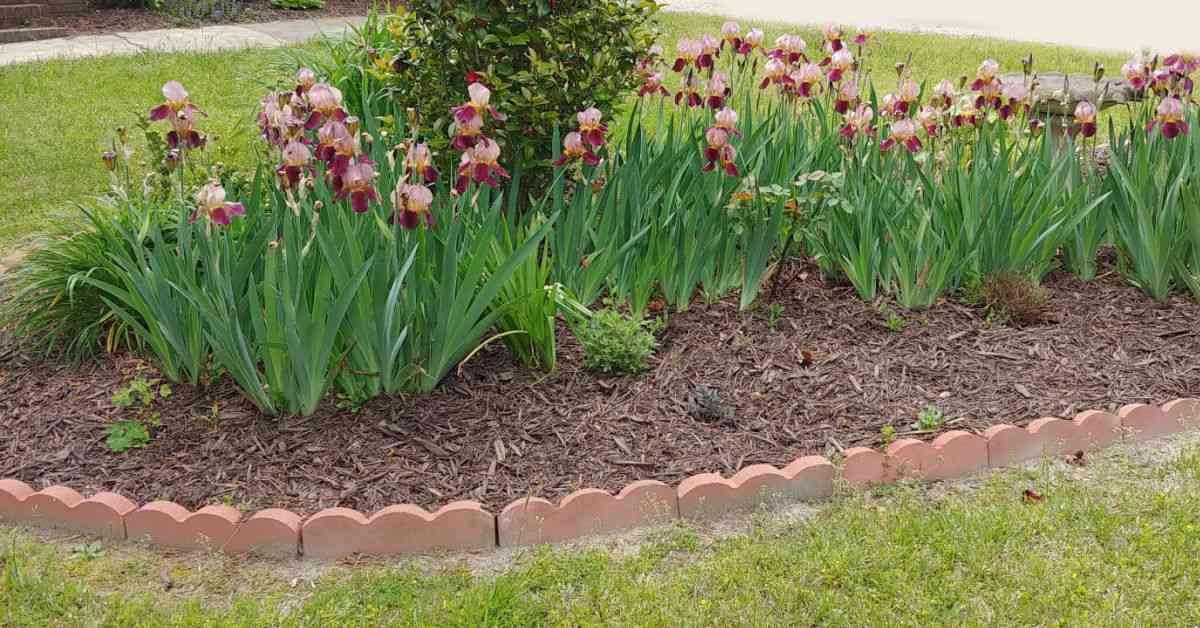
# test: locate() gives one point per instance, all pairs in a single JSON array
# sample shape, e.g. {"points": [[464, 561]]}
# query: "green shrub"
{"points": [[616, 343], [298, 5], [544, 62]]}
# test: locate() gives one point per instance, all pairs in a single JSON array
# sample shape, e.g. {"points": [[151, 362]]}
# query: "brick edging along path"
{"points": [[466, 526]]}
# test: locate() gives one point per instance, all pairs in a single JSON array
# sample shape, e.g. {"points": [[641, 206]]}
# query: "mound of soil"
{"points": [[827, 375]]}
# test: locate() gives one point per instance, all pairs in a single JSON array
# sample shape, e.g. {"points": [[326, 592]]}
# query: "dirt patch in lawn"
{"points": [[100, 20], [829, 374]]}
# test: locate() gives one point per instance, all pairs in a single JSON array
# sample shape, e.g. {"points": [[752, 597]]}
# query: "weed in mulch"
{"points": [[1011, 299]]}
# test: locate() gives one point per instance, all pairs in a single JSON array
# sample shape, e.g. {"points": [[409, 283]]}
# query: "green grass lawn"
{"points": [[1113, 543], [57, 116]]}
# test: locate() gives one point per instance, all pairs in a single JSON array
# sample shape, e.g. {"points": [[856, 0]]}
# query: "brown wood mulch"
{"points": [[830, 375], [100, 19]]}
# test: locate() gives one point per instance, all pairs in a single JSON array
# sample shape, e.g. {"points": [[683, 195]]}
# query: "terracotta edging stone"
{"points": [[533, 520], [403, 529], [271, 532], [1009, 445], [61, 507], [170, 525], [950, 455], [709, 496], [1144, 422]]}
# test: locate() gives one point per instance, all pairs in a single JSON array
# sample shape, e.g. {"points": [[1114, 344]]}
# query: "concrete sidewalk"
{"points": [[178, 39], [1164, 25]]}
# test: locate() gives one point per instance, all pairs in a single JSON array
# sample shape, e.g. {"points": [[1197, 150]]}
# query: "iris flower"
{"points": [[297, 159], [847, 97], [840, 62], [211, 203], [858, 121], [1015, 96], [719, 151], [985, 74], [479, 103], [726, 119], [359, 184], [689, 53], [326, 103], [807, 79], [833, 37], [419, 163], [789, 48], [929, 118], [716, 91], [336, 146], [904, 131], [1085, 119], [1170, 119], [480, 164], [944, 95], [183, 133], [591, 128], [412, 203], [777, 73], [690, 92], [652, 84], [305, 79], [175, 102], [574, 147]]}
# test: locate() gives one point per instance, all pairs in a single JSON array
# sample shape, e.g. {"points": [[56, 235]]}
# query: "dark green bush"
{"points": [[544, 62], [298, 5], [616, 343]]}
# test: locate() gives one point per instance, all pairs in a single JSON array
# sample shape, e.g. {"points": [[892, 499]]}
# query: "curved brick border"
{"points": [[466, 526]]}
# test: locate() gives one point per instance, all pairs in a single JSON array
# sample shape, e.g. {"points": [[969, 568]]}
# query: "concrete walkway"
{"points": [[1164, 25], [178, 39]]}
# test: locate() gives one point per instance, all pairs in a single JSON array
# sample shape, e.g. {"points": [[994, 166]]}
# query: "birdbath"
{"points": [[1056, 95]]}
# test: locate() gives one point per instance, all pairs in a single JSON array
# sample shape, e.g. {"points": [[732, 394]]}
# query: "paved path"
{"points": [[1168, 25], [178, 39]]}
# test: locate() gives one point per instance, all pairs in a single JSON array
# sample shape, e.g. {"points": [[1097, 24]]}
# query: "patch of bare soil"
{"points": [[829, 375], [100, 20]]}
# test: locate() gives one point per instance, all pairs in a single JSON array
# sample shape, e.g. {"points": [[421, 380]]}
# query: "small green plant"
{"points": [[887, 435], [144, 392], [891, 320], [140, 394], [617, 343], [126, 435], [85, 552], [929, 419], [774, 313], [298, 5]]}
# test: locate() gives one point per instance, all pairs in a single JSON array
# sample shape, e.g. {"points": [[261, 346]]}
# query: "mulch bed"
{"points": [[100, 20], [829, 376]]}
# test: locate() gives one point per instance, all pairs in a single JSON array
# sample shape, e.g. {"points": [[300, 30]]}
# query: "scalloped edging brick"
{"points": [[271, 532], [170, 525], [1088, 431], [403, 529], [61, 507], [710, 496], [586, 512], [466, 526]]}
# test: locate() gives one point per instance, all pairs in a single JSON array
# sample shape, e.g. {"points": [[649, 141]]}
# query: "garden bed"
{"points": [[102, 20], [829, 375]]}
